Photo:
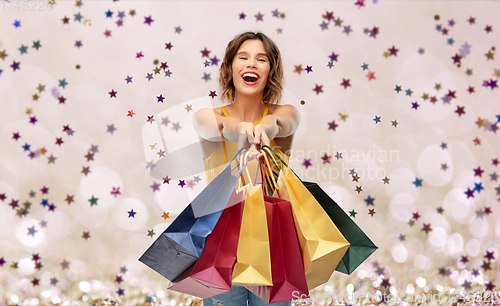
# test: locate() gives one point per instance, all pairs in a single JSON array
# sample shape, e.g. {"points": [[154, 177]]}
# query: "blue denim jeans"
{"points": [[239, 296]]}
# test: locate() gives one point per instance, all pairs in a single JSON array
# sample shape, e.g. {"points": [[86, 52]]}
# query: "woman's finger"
{"points": [[252, 156], [265, 140], [257, 134], [242, 141], [245, 137], [249, 131], [250, 137], [261, 157]]}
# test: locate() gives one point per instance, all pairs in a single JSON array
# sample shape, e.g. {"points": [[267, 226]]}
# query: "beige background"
{"points": [[117, 240]]}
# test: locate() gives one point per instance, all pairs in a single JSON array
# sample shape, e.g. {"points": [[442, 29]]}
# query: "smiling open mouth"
{"points": [[250, 77]]}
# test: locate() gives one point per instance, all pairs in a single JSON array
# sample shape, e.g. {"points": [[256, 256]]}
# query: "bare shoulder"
{"points": [[205, 122], [286, 112], [282, 108], [202, 114], [273, 108], [218, 111]]}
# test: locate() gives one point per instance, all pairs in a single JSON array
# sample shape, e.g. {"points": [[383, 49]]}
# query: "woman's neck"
{"points": [[247, 109]]}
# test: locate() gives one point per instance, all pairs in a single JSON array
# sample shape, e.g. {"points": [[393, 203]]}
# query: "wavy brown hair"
{"points": [[274, 86]]}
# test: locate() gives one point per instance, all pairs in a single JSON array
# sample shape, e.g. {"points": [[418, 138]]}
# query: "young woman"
{"points": [[251, 79]]}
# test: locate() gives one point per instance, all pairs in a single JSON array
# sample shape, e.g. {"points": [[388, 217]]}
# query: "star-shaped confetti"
{"points": [[93, 201], [155, 186], [345, 83], [131, 213], [371, 212], [306, 163], [148, 20], [343, 116], [86, 235], [298, 69], [318, 89], [32, 231], [332, 125], [426, 228], [486, 265], [369, 201], [151, 233], [259, 17]]}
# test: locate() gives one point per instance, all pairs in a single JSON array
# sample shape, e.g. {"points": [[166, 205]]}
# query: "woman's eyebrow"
{"points": [[244, 52]]}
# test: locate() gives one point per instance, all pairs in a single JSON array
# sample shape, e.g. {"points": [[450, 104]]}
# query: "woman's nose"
{"points": [[251, 62]]}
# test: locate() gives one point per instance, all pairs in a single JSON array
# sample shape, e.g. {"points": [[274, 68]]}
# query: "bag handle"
{"points": [[274, 162], [262, 166], [266, 159], [257, 174], [265, 179], [268, 148], [246, 169], [246, 161], [245, 156]]}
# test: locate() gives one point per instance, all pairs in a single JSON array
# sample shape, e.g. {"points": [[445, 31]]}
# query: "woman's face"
{"points": [[250, 68]]}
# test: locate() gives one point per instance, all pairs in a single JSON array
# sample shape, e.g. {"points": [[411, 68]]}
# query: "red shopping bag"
{"points": [[286, 260], [211, 274]]}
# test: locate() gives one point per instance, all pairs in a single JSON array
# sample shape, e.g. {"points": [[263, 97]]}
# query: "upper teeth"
{"points": [[250, 75]]}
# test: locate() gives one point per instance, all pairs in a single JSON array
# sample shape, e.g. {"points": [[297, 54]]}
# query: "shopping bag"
{"points": [[253, 258], [216, 195], [191, 232], [180, 245], [286, 261], [361, 247], [322, 244], [167, 257], [211, 274]]}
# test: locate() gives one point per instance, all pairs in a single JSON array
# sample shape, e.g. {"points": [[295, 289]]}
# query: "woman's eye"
{"points": [[243, 58], [262, 60]]}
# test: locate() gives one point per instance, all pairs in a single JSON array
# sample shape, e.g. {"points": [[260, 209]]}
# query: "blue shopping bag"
{"points": [[181, 244]]}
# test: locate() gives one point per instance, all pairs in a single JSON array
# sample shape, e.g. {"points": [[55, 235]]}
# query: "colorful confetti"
{"points": [[404, 100]]}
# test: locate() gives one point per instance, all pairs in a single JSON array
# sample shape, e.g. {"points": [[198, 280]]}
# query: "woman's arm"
{"points": [[213, 127], [282, 123], [207, 124]]}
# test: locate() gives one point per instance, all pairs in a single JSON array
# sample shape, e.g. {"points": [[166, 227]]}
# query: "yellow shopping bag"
{"points": [[322, 244], [253, 257]]}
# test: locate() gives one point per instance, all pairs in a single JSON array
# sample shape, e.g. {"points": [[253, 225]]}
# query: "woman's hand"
{"points": [[261, 139], [251, 138], [245, 134], [237, 131]]}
